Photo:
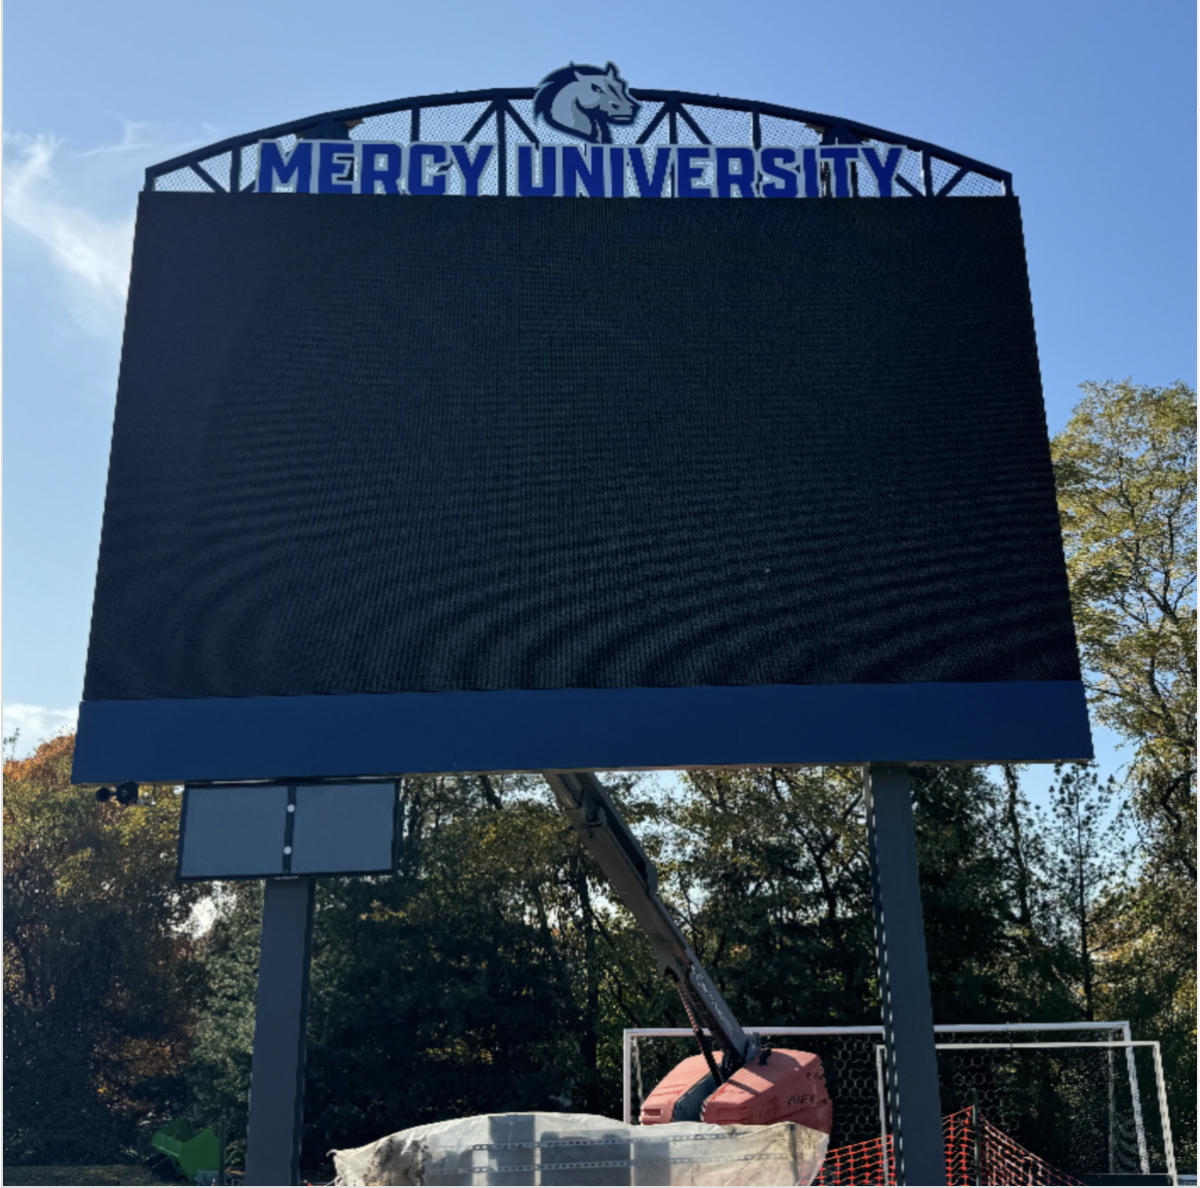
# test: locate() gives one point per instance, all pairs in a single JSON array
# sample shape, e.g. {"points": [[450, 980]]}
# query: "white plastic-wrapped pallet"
{"points": [[537, 1148]]}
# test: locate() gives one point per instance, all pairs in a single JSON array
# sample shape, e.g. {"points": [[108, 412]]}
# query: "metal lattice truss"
{"points": [[505, 118]]}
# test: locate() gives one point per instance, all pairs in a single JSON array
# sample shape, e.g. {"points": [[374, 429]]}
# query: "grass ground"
{"points": [[132, 1174], [113, 1173]]}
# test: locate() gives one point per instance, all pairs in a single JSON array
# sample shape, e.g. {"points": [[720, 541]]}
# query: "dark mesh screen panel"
{"points": [[375, 445]]}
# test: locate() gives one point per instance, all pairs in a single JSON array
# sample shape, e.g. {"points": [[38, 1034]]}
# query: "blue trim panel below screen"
{"points": [[249, 738]]}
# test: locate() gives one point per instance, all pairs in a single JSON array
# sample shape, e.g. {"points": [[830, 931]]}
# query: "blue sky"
{"points": [[1091, 106]]}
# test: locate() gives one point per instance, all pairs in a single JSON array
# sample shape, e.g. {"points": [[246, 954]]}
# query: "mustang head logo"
{"points": [[584, 100]]}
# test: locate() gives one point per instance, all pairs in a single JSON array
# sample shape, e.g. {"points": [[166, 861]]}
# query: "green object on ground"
{"points": [[190, 1151]]}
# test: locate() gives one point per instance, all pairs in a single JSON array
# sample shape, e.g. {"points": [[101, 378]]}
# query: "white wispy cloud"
{"points": [[53, 197], [34, 724], [90, 253], [136, 135]]}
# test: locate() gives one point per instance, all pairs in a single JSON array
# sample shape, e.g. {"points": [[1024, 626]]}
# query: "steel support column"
{"points": [[913, 1103], [280, 1025]]}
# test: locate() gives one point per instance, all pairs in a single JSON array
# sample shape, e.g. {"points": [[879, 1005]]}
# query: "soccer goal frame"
{"points": [[949, 1032], [1128, 1045]]}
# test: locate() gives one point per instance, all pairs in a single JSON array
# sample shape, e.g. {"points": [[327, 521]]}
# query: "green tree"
{"points": [[1085, 867], [991, 958], [1125, 469], [99, 977], [770, 875], [766, 869]]}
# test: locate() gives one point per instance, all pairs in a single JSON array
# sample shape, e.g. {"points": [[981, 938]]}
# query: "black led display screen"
{"points": [[368, 447]]}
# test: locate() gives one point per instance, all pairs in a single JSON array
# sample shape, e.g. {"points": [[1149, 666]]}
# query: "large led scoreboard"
{"points": [[503, 432]]}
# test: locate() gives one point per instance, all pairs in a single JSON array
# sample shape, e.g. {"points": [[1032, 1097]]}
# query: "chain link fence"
{"points": [[1081, 1097]]}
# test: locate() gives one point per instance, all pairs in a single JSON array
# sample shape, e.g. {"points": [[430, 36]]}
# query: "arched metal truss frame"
{"points": [[504, 117]]}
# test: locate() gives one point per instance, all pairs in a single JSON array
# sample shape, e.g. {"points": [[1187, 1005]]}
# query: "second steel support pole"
{"points": [[913, 1101]]}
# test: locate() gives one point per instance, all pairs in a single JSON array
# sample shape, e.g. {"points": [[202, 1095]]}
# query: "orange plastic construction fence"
{"points": [[976, 1153]]}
